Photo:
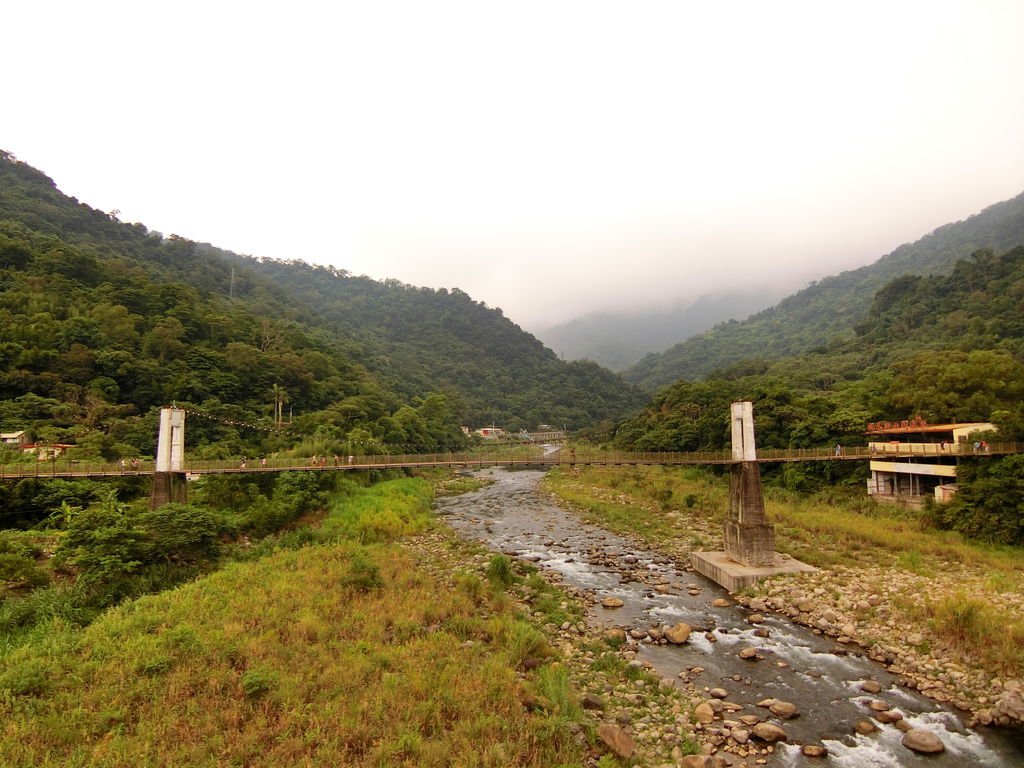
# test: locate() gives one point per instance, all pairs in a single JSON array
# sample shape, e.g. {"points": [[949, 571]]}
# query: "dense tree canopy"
{"points": [[103, 322], [831, 308]]}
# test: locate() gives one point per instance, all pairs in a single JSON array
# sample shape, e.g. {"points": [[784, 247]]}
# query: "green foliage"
{"points": [[21, 570], [30, 502], [990, 504], [555, 688], [363, 574], [520, 640], [59, 604], [500, 571], [21, 543], [257, 683], [294, 494], [105, 547], [29, 679], [180, 532], [379, 514], [105, 322], [829, 310]]}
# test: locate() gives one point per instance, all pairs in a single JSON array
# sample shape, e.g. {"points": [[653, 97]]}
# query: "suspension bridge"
{"points": [[171, 466], [511, 454]]}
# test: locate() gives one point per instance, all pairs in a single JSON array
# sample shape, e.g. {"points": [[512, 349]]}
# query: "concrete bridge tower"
{"points": [[749, 538], [169, 482]]}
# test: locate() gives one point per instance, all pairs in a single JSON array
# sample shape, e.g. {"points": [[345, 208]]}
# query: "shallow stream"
{"points": [[795, 665]]}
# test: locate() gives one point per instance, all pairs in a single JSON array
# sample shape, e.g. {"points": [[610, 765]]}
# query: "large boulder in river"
{"points": [[704, 713], [615, 636], [769, 732], [923, 741], [784, 709], [1011, 702], [679, 633], [616, 739]]}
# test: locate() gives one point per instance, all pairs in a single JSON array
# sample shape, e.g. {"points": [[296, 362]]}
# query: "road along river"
{"points": [[787, 663]]}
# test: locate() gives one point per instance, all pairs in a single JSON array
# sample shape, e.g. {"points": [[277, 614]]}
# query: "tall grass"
{"points": [[839, 525], [638, 500], [381, 513], [975, 628], [340, 652], [850, 523], [500, 571]]}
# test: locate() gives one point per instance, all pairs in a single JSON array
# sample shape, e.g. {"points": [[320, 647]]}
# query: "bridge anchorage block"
{"points": [[749, 538]]}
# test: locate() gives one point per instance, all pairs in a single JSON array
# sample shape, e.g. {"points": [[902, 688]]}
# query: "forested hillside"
{"points": [[830, 309], [103, 322], [947, 348]]}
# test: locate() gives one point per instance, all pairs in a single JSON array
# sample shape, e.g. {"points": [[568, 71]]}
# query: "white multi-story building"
{"points": [[930, 469]]}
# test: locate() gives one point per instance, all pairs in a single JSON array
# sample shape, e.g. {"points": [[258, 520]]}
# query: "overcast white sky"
{"points": [[550, 158]]}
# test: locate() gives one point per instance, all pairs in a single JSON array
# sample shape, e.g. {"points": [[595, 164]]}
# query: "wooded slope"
{"points": [[105, 321], [830, 308]]}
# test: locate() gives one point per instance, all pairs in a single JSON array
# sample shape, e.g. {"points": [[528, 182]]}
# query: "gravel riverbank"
{"points": [[917, 615]]}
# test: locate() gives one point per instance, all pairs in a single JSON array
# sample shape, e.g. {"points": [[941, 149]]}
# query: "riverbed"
{"points": [[788, 663]]}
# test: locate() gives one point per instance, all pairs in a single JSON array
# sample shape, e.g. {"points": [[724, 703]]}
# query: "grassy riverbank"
{"points": [[885, 571], [356, 648]]}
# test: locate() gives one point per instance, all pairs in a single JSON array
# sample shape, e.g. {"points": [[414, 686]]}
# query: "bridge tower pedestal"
{"points": [[749, 538], [169, 483]]}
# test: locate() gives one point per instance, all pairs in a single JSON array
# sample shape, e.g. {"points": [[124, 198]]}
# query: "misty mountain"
{"points": [[829, 309], [105, 321], [618, 340]]}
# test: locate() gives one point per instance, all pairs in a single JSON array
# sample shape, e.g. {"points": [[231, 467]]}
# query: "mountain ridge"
{"points": [[830, 308], [106, 321], [618, 340]]}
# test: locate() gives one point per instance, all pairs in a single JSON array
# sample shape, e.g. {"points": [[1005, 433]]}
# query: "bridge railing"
{"points": [[504, 455]]}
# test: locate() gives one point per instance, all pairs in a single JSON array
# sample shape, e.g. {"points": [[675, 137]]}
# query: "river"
{"points": [[795, 665]]}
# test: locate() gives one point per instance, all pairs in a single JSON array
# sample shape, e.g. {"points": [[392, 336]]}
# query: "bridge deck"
{"points": [[510, 456]]}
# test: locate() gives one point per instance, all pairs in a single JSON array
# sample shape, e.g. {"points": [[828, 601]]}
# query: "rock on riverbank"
{"points": [[883, 612]]}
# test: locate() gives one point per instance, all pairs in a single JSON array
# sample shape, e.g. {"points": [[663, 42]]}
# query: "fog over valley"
{"points": [[554, 161]]}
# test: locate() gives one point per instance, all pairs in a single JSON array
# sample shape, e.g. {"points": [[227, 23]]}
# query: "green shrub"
{"points": [[500, 571], [989, 504], [154, 666], [664, 498], [471, 585], [21, 570], [521, 640], [29, 678], [103, 544], [554, 686], [67, 603], [363, 574], [20, 543], [180, 531], [257, 683]]}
